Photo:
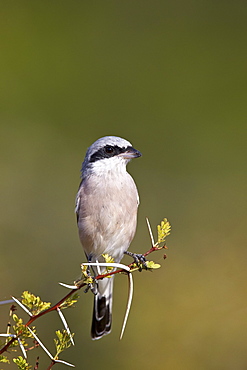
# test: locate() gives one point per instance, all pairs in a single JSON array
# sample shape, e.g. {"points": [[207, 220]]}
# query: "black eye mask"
{"points": [[107, 151]]}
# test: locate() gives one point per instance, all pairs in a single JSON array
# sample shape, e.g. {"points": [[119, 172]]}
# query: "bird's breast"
{"points": [[107, 214]]}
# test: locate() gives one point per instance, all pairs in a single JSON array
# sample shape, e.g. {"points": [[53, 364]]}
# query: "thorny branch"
{"points": [[163, 231], [78, 287]]}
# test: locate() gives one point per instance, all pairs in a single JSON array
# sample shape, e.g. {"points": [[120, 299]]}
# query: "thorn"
{"points": [[150, 232], [22, 306], [131, 289], [69, 286], [65, 325], [22, 348]]}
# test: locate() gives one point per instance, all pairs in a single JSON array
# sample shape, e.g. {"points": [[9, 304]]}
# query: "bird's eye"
{"points": [[109, 149]]}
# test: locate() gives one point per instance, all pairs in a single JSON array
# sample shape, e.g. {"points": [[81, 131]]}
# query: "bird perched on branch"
{"points": [[106, 208]]}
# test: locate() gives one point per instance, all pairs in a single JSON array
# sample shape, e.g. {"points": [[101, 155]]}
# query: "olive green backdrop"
{"points": [[171, 77]]}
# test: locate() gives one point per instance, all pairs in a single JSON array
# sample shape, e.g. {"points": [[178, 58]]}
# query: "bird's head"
{"points": [[108, 153]]}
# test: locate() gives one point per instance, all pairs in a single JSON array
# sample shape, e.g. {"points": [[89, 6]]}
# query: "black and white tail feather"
{"points": [[102, 311]]}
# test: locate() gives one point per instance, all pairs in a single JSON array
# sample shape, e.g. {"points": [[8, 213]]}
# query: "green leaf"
{"points": [[86, 278], [21, 363], [70, 301], [20, 328], [163, 230], [108, 259], [152, 265], [34, 303], [63, 342], [4, 359]]}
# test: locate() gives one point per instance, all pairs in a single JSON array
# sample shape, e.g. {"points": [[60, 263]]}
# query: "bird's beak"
{"points": [[130, 153]]}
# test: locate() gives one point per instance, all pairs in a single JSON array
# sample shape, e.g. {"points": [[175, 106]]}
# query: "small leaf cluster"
{"points": [[70, 302], [34, 303], [4, 359], [149, 265], [20, 328], [108, 259], [86, 277], [22, 363], [164, 229], [152, 265], [62, 342]]}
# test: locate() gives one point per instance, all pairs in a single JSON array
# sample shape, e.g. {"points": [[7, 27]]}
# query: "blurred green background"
{"points": [[171, 77]]}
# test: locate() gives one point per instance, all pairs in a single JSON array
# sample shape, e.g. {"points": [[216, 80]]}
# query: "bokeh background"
{"points": [[171, 77]]}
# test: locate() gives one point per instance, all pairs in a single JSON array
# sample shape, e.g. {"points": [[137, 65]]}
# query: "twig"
{"points": [[51, 365], [36, 364]]}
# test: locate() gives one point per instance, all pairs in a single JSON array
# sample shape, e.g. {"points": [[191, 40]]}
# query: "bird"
{"points": [[106, 207]]}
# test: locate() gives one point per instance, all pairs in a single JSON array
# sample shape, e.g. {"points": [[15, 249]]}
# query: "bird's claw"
{"points": [[139, 259], [92, 285]]}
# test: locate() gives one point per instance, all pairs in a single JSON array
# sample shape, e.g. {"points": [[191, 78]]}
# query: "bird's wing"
{"points": [[77, 202]]}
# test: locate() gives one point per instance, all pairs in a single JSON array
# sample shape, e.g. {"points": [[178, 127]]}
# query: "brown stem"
{"points": [[153, 249], [36, 364], [53, 308], [51, 365]]}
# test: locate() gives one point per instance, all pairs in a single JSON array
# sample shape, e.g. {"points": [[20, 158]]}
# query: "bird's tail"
{"points": [[102, 312]]}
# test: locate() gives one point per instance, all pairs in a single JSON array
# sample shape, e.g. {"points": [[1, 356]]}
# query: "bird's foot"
{"points": [[92, 286], [139, 259]]}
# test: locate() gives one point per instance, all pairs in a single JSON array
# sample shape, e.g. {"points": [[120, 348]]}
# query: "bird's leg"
{"points": [[139, 259], [92, 286]]}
